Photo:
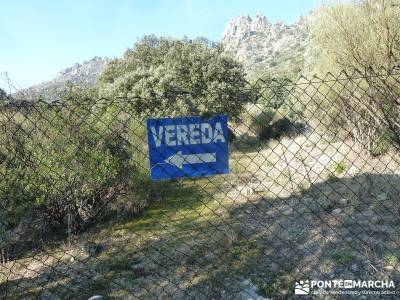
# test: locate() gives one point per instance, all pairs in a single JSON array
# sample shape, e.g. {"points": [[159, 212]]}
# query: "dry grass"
{"points": [[271, 220]]}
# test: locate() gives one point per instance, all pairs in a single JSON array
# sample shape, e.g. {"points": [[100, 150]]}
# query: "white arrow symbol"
{"points": [[179, 159]]}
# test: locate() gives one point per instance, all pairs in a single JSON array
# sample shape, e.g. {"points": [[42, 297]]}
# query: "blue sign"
{"points": [[188, 147]]}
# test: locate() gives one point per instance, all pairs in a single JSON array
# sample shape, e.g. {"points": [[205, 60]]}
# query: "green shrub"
{"points": [[339, 167], [73, 160], [262, 121], [266, 128], [381, 145], [342, 257], [281, 127]]}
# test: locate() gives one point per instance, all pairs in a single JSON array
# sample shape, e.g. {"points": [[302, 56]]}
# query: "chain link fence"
{"points": [[312, 194]]}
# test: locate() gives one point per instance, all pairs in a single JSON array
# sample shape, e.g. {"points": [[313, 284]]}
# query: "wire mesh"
{"points": [[312, 194]]}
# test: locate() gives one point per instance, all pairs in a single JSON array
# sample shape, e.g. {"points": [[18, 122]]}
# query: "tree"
{"points": [[357, 36], [176, 77], [360, 38]]}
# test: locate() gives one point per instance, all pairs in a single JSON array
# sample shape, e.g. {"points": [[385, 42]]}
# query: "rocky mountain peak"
{"points": [[82, 74], [258, 44], [78, 71], [260, 22], [241, 27]]}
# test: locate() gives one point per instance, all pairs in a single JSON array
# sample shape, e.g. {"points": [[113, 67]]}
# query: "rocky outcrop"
{"points": [[263, 46], [82, 74]]}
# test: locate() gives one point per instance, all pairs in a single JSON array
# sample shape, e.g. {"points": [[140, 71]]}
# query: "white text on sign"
{"points": [[192, 134]]}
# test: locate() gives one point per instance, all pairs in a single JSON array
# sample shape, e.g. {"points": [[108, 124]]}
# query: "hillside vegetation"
{"points": [[268, 49]]}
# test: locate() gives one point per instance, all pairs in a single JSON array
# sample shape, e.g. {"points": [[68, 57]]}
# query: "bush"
{"points": [[381, 145], [267, 126], [74, 160], [368, 106], [262, 121], [339, 167], [276, 130]]}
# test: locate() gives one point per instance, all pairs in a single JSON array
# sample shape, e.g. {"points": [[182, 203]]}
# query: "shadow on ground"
{"points": [[204, 248]]}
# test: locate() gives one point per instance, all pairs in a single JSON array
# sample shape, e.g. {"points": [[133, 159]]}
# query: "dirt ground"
{"points": [[303, 208]]}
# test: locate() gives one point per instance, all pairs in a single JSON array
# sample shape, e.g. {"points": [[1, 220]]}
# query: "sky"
{"points": [[38, 38]]}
